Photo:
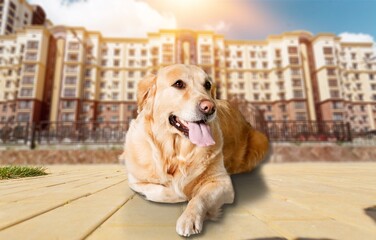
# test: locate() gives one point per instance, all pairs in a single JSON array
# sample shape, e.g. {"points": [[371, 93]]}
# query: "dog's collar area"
{"points": [[174, 121]]}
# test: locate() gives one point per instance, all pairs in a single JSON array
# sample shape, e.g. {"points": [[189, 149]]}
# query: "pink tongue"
{"points": [[199, 134]]}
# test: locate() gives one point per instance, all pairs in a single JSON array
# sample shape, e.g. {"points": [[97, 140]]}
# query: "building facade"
{"points": [[80, 75], [15, 14]]}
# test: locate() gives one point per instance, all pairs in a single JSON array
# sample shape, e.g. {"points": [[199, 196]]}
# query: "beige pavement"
{"points": [[291, 200]]}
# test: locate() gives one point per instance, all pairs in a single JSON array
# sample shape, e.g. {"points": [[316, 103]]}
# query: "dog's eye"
{"points": [[179, 84], [207, 85]]}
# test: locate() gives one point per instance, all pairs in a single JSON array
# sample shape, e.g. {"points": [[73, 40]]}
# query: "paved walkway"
{"points": [[277, 201]]}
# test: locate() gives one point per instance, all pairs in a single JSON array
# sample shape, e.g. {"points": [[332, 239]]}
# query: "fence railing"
{"points": [[317, 131], [45, 133]]}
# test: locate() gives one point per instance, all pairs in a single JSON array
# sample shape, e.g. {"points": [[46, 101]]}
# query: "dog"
{"points": [[185, 143]]}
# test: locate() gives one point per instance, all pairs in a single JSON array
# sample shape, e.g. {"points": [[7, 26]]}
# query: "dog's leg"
{"points": [[206, 202], [157, 193]]}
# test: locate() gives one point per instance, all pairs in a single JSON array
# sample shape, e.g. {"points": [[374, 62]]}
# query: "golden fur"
{"points": [[165, 166]]}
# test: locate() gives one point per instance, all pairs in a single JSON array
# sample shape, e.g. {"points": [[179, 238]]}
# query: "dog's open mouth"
{"points": [[198, 132]]}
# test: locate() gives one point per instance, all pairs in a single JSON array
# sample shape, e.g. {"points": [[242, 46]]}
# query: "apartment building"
{"points": [[25, 75], [291, 76], [15, 14]]}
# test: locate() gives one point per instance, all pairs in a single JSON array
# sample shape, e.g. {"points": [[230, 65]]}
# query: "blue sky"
{"points": [[236, 19], [335, 16]]}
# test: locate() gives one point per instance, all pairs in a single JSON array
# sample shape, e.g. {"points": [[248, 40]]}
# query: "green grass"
{"points": [[9, 172]]}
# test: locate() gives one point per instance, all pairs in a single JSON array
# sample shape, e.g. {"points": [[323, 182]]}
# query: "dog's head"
{"points": [[181, 99]]}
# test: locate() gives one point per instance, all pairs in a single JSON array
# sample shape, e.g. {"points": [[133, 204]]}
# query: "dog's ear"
{"points": [[146, 89]]}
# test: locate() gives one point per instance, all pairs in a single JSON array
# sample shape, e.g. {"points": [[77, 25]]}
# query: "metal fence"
{"points": [[317, 131], [45, 133]]}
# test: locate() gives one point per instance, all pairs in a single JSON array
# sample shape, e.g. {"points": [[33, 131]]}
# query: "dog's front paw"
{"points": [[189, 224]]}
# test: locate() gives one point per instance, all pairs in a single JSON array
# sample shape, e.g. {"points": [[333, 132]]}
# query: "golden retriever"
{"points": [[184, 143]]}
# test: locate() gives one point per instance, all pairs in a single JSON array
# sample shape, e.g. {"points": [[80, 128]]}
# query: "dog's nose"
{"points": [[207, 107]]}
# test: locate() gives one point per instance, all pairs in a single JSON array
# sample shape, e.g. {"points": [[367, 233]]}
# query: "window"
{"points": [[277, 53], [71, 69], [298, 94], [115, 96], [70, 80], [167, 47], [331, 72], [130, 84], [334, 94], [88, 73], [23, 117], [73, 46], [86, 108], [299, 105], [337, 116], [264, 65], [371, 76], [292, 50], [239, 54], [25, 104], [131, 52], [114, 118], [87, 95], [252, 54], [241, 85], [69, 104], [28, 80], [328, 50], [300, 116], [167, 58], [131, 74], [333, 83], [100, 119], [115, 108], [67, 117], [32, 45], [143, 52], [330, 61], [253, 64], [294, 60], [296, 82], [295, 71], [26, 92], [337, 105], [30, 68], [72, 57], [31, 56], [130, 96], [116, 63], [69, 92], [256, 96], [116, 52]]}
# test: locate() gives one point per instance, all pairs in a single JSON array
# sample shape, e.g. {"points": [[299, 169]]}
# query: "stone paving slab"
{"points": [[276, 201]]}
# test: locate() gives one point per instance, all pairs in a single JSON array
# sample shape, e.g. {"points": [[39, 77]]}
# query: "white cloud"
{"points": [[358, 37], [220, 27], [113, 18], [355, 37]]}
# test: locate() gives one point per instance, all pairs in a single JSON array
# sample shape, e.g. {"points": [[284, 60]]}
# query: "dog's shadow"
{"points": [[249, 187]]}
